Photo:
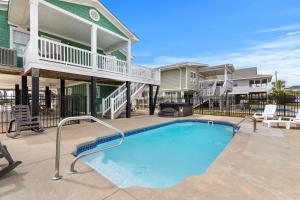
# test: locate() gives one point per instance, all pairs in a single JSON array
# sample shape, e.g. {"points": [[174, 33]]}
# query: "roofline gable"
{"points": [[108, 14]]}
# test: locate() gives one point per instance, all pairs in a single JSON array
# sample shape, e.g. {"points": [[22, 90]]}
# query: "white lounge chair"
{"points": [[269, 113], [294, 121], [281, 121]]}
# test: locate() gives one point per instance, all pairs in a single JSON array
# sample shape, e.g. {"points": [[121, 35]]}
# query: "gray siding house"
{"points": [[180, 80], [185, 79]]}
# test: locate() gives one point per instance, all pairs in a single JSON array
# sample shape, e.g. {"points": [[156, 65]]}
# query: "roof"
{"points": [[183, 64], [17, 17], [250, 72], [294, 87], [220, 68], [105, 11]]}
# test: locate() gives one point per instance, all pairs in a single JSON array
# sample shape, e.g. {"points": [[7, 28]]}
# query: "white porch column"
{"points": [[34, 29], [94, 46], [129, 55]]}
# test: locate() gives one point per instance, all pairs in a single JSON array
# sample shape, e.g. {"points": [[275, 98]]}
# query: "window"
{"points": [[94, 15], [19, 41], [264, 82], [257, 83], [251, 83], [193, 77]]}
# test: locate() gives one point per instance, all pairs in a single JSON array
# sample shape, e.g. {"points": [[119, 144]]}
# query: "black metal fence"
{"points": [[243, 105], [50, 109]]}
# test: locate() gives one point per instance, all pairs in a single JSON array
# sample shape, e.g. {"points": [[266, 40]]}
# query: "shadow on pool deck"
{"points": [[253, 166]]}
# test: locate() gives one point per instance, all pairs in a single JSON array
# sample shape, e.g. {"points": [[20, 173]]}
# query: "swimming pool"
{"points": [[160, 156]]}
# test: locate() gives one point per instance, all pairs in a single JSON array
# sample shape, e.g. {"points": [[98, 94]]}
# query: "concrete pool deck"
{"points": [[264, 165]]}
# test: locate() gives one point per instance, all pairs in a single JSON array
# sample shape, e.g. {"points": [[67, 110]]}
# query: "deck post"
{"points": [[129, 56], [34, 29], [150, 99], [17, 94], [62, 98], [24, 91], [35, 92], [94, 46], [93, 95], [48, 97], [128, 102], [155, 100]]}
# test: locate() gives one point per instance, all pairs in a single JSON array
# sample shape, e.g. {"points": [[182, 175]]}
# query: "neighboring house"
{"points": [[295, 88], [185, 79], [78, 41], [180, 80], [247, 80], [202, 82]]}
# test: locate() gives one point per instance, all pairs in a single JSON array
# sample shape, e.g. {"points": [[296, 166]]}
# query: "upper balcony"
{"points": [[61, 57], [81, 43]]}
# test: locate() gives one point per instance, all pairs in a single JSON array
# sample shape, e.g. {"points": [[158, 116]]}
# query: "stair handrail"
{"points": [[213, 89], [106, 101], [58, 142], [118, 101]]}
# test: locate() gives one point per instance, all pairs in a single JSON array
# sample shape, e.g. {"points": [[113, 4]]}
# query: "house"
{"points": [[202, 82], [78, 43], [247, 80], [184, 79], [180, 80], [295, 88]]}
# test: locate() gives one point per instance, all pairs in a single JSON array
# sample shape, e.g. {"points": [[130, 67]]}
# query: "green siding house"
{"points": [[79, 42]]}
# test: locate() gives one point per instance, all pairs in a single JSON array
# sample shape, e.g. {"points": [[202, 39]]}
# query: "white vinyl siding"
{"points": [[170, 80]]}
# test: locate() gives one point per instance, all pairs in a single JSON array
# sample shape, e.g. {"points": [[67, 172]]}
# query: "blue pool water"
{"points": [[162, 157]]}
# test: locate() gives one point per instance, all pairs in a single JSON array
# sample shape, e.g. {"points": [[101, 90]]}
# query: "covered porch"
{"points": [[76, 45]]}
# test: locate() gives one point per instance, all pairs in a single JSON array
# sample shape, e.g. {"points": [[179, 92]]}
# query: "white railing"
{"points": [[106, 101], [227, 85], [120, 100], [145, 72], [111, 64], [8, 57], [134, 88], [117, 102], [62, 53], [53, 51]]}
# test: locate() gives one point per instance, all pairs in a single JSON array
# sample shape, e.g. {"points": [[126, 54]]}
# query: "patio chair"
{"points": [[269, 112], [294, 121], [24, 121], [11, 163]]}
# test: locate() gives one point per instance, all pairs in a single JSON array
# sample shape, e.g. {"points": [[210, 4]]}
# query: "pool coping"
{"points": [[86, 146]]}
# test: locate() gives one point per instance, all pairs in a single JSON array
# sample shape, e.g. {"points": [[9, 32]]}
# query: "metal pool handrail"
{"points": [[245, 118], [58, 141]]}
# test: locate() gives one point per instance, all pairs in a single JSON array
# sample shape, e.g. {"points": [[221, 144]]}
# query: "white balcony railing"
{"points": [[62, 53], [111, 64], [56, 52]]}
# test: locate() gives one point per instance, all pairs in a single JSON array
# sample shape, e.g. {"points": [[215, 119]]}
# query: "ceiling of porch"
{"points": [[53, 21], [56, 22]]}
